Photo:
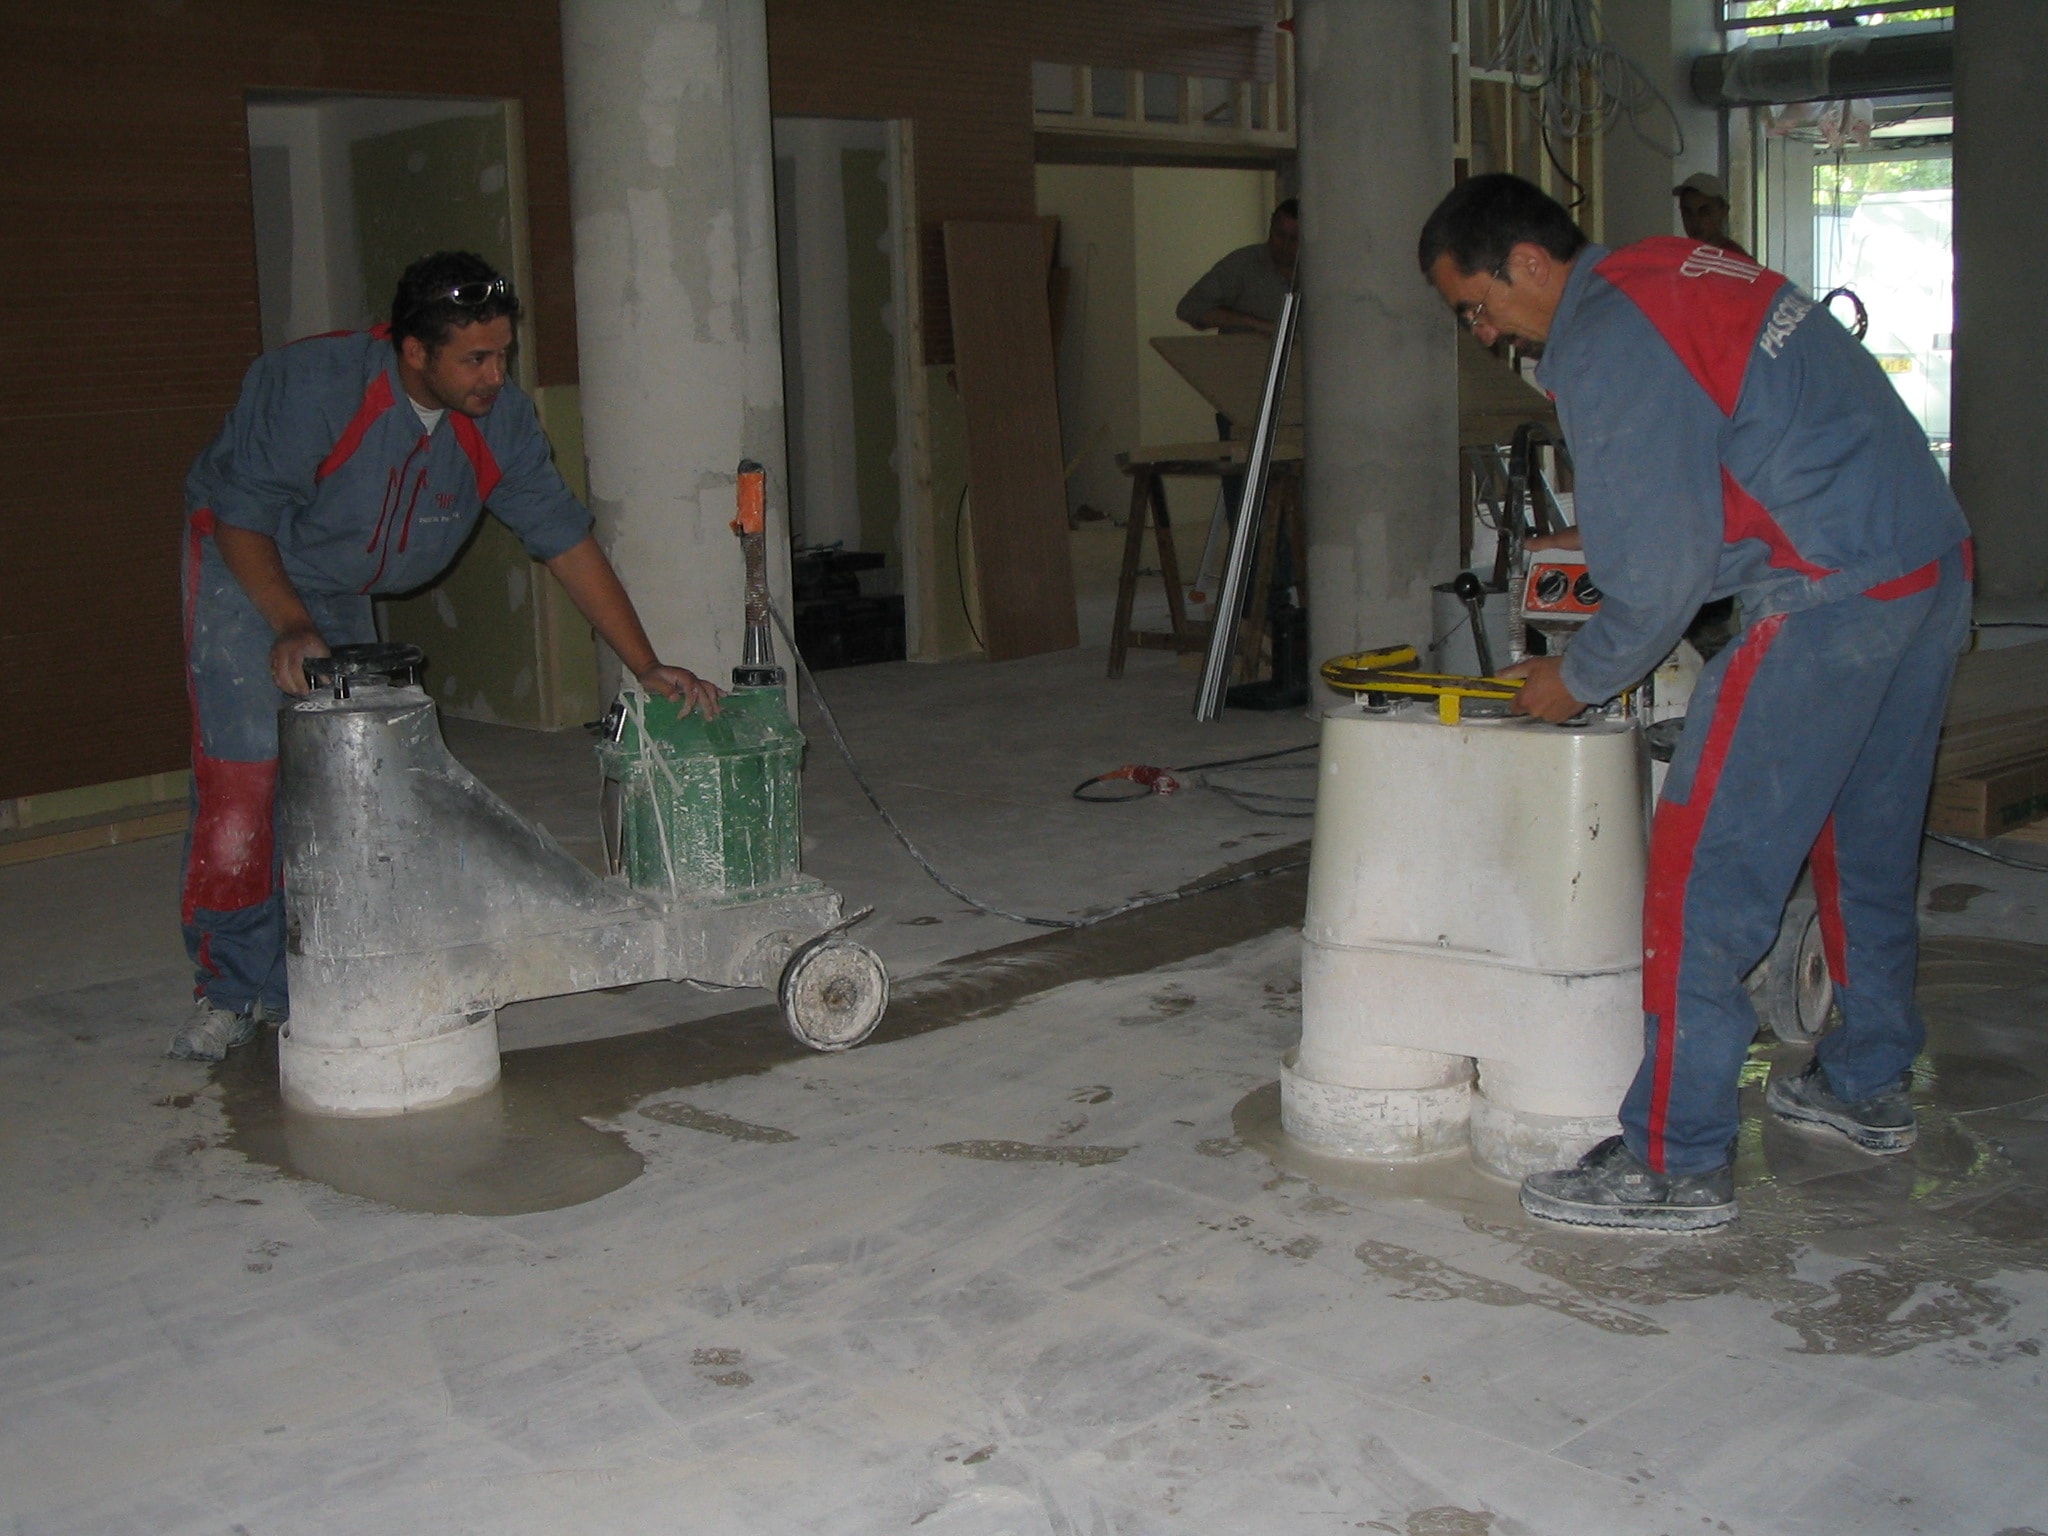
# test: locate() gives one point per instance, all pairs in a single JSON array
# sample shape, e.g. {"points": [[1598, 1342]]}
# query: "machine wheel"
{"points": [[833, 993], [1792, 991]]}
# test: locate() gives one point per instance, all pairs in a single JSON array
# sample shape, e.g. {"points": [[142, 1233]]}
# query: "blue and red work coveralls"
{"points": [[324, 453], [1728, 436]]}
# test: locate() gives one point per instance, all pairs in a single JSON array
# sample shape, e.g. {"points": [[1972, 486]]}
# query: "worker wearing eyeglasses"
{"points": [[353, 465], [1730, 438]]}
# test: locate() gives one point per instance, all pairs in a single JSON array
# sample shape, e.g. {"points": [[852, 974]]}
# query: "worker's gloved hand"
{"points": [[288, 655], [686, 688], [1543, 693]]}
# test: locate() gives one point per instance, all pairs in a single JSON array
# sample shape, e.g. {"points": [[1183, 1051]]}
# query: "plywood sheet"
{"points": [[1998, 682], [1230, 373], [1493, 399], [1002, 345]]}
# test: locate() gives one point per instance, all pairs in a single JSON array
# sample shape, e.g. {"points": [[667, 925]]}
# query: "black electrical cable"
{"points": [[1543, 132], [2010, 624], [959, 571], [1142, 790], [853, 766], [1254, 800], [1986, 851]]}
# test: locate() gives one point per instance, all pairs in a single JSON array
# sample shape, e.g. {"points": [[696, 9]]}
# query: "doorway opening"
{"points": [[1130, 240], [858, 425]]}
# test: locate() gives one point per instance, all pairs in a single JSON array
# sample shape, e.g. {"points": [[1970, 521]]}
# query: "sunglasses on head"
{"points": [[474, 295]]}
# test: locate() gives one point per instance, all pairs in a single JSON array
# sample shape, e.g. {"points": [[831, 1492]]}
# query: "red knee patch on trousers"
{"points": [[233, 858]]}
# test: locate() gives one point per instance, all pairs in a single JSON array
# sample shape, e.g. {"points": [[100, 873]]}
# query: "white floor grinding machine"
{"points": [[1472, 950], [419, 903]]}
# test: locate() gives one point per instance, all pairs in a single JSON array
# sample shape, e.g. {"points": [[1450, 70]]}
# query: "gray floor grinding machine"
{"points": [[419, 903]]}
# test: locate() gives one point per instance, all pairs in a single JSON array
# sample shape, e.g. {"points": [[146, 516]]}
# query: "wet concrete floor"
{"points": [[535, 1143], [1855, 1253]]}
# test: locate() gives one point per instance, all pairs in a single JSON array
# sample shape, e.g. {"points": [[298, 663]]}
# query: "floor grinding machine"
{"points": [[419, 903], [1472, 950]]}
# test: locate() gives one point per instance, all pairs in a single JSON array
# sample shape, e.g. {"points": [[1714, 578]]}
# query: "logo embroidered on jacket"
{"points": [[1711, 258], [1791, 309], [445, 500]]}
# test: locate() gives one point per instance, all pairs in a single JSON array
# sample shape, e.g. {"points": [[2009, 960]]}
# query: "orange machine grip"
{"points": [[753, 500]]}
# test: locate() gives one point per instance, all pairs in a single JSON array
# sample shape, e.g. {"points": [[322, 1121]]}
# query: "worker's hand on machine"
{"points": [[288, 655], [1543, 693], [1564, 538], [686, 688]]}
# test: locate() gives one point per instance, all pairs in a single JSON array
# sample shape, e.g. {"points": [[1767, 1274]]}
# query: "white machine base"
{"points": [[1514, 1143], [1377, 1124], [458, 1063], [1471, 968]]}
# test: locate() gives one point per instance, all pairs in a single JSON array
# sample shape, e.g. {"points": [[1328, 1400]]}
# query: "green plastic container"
{"points": [[708, 808]]}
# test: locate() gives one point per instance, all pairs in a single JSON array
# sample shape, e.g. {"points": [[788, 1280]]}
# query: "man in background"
{"points": [[1245, 290], [1703, 211]]}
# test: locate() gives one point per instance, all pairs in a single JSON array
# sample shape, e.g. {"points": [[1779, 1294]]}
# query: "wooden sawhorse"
{"points": [[1147, 468]]}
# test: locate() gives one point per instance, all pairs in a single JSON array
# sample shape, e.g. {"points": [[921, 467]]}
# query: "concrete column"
{"points": [[1377, 345], [672, 195], [2000, 406], [1662, 37]]}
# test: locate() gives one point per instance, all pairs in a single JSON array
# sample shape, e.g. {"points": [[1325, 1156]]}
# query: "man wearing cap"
{"points": [[353, 465], [1245, 289], [1703, 211], [1729, 437]]}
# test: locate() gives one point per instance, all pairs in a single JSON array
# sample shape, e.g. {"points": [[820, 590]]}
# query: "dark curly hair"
{"points": [[1485, 218], [425, 304]]}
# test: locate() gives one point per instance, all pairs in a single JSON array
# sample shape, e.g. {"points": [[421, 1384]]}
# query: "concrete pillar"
{"points": [[1377, 345], [2000, 405], [1662, 37], [672, 196]]}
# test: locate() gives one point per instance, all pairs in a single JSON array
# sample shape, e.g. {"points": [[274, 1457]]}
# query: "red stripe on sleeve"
{"points": [[481, 460], [376, 401]]}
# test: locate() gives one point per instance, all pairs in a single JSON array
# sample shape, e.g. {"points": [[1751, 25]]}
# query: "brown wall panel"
{"points": [[1004, 333], [960, 71], [127, 261], [128, 311]]}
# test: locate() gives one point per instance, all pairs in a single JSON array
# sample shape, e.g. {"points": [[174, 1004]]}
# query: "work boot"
{"points": [[1882, 1123], [1612, 1187], [212, 1032]]}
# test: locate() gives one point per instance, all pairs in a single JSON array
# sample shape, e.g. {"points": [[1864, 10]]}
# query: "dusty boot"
{"points": [[1612, 1187], [211, 1033], [1882, 1123]]}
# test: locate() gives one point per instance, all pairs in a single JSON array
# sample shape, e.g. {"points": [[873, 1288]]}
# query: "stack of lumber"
{"points": [[1991, 777]]}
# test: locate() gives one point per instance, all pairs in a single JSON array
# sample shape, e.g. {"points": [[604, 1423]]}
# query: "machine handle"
{"points": [[753, 499]]}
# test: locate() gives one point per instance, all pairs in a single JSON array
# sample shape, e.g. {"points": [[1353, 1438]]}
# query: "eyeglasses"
{"points": [[475, 295], [1469, 318]]}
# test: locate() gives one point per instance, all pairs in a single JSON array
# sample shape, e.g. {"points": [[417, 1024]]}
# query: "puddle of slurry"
{"points": [[1854, 1254], [1032, 1152], [506, 1153], [691, 1118], [1954, 898], [540, 1141], [1442, 1520]]}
